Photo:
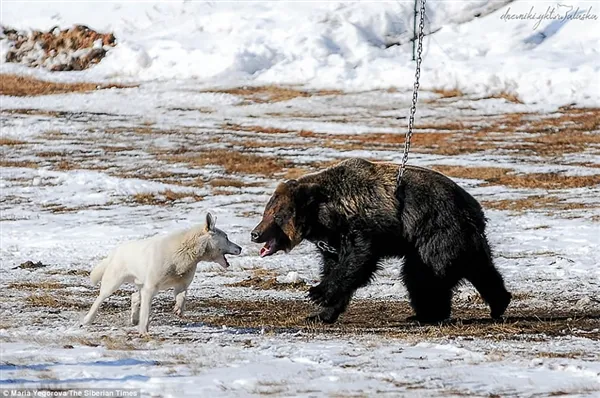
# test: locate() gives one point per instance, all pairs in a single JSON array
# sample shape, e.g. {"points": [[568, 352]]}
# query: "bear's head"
{"points": [[284, 222]]}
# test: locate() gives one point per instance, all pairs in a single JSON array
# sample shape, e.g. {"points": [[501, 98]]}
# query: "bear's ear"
{"points": [[292, 183], [309, 194]]}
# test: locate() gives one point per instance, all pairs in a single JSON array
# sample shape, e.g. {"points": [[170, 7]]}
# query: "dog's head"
{"points": [[219, 244], [283, 225]]}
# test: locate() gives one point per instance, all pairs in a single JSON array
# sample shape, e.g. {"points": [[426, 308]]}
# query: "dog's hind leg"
{"points": [[146, 295], [109, 285], [135, 308], [180, 292]]}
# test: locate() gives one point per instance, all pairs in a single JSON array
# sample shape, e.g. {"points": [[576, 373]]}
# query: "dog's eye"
{"points": [[278, 219]]}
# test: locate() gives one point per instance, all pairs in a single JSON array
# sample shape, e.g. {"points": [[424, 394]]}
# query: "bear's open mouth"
{"points": [[269, 248]]}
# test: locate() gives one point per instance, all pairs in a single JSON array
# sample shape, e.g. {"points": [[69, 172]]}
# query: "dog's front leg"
{"points": [[135, 308], [146, 295], [354, 268], [180, 293]]}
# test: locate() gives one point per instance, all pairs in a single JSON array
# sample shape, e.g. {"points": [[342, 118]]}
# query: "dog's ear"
{"points": [[210, 222]]}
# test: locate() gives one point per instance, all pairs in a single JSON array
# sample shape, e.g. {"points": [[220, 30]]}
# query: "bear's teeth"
{"points": [[264, 251]]}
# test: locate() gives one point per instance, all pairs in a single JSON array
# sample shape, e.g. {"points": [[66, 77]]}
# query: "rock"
{"points": [[291, 277], [76, 48], [31, 265]]}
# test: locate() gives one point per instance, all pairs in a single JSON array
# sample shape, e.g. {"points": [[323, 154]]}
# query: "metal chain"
{"points": [[324, 246], [413, 108]]}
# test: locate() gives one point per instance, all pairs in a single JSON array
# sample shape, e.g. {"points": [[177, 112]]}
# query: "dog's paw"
{"points": [[178, 311]]}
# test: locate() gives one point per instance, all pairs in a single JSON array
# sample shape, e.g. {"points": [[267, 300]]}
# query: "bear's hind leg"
{"points": [[430, 295], [489, 283]]}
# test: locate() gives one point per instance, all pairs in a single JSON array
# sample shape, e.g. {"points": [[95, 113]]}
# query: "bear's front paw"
{"points": [[324, 294], [318, 294], [328, 315]]}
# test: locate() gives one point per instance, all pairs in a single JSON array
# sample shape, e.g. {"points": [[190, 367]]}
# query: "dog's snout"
{"points": [[254, 235], [237, 250]]}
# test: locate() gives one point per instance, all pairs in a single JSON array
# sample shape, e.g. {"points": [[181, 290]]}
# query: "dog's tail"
{"points": [[98, 271]]}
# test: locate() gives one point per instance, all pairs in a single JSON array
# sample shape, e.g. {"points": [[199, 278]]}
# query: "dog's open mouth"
{"points": [[269, 248], [222, 261]]}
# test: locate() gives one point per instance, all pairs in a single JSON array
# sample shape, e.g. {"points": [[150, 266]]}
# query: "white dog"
{"points": [[159, 263]]}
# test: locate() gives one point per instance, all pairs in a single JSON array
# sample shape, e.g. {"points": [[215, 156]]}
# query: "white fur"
{"points": [[159, 263]]}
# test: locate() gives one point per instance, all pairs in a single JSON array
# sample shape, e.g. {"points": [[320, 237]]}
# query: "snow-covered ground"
{"points": [[541, 51], [83, 172], [69, 218]]}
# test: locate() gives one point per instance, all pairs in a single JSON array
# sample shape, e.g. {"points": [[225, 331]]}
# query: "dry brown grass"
{"points": [[510, 97], [58, 208], [42, 300], [165, 197], [223, 192], [508, 177], [54, 135], [64, 165], [535, 202], [117, 148], [167, 177], [446, 139], [75, 272], [548, 181], [260, 283], [19, 163], [451, 93], [488, 174], [25, 86], [252, 214], [196, 182], [232, 161], [573, 130], [145, 130], [44, 285], [271, 94], [5, 141], [231, 182], [389, 318], [118, 343], [255, 129]]}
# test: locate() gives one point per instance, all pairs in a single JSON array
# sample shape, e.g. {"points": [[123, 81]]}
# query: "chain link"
{"points": [[413, 108], [324, 246]]}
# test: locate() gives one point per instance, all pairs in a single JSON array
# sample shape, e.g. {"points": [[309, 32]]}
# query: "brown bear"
{"points": [[356, 214]]}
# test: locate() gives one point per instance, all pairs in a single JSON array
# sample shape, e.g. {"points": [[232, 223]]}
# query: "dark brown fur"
{"points": [[357, 215]]}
